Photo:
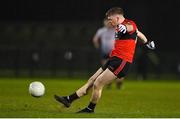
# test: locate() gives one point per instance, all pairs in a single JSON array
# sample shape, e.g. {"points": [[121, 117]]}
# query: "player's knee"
{"points": [[96, 85]]}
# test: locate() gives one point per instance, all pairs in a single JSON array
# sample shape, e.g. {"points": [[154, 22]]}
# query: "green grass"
{"points": [[135, 99]]}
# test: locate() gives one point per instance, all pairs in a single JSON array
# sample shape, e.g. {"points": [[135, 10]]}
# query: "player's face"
{"points": [[113, 20]]}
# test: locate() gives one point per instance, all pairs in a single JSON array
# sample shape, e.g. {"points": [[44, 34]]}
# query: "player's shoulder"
{"points": [[129, 21]]}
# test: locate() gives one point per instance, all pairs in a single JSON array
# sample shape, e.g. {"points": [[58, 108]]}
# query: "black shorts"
{"points": [[118, 66], [104, 56]]}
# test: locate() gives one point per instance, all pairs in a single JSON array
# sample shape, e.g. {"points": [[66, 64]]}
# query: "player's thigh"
{"points": [[94, 76], [105, 78]]}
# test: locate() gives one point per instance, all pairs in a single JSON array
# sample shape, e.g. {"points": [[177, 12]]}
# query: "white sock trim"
{"points": [[89, 108], [68, 97]]}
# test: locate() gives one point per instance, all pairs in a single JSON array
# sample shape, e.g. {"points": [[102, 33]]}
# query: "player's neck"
{"points": [[121, 20]]}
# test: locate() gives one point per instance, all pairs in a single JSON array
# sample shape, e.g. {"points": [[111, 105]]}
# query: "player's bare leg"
{"points": [[84, 89], [67, 100], [105, 78]]}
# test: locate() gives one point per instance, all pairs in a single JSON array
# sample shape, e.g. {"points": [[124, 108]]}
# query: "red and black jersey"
{"points": [[125, 44]]}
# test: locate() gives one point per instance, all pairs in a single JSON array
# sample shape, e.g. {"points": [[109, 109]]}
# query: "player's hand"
{"points": [[150, 45], [122, 28]]}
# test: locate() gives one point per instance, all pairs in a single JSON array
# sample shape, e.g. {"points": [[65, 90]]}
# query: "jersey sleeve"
{"points": [[131, 23], [134, 27]]}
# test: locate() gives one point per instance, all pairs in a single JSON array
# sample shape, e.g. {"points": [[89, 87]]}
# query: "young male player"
{"points": [[118, 64], [104, 41]]}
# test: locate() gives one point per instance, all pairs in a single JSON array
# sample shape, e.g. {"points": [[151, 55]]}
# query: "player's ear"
{"points": [[117, 18]]}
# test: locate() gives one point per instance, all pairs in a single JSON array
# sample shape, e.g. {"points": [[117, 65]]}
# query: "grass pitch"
{"points": [[135, 99]]}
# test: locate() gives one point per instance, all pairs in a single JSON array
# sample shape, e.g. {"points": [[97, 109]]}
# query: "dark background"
{"points": [[57, 27], [158, 19]]}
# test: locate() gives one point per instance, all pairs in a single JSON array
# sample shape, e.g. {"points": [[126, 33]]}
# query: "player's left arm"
{"points": [[131, 28], [148, 43], [141, 37]]}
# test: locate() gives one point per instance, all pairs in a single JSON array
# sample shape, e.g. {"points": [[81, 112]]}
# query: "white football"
{"points": [[36, 89]]}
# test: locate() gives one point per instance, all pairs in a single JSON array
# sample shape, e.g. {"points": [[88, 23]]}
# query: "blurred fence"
{"points": [[47, 62], [63, 49]]}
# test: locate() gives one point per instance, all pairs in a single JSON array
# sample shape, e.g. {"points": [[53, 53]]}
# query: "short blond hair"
{"points": [[114, 10]]}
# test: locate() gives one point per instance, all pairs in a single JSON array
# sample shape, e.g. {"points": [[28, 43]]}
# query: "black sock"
{"points": [[72, 97], [91, 106]]}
